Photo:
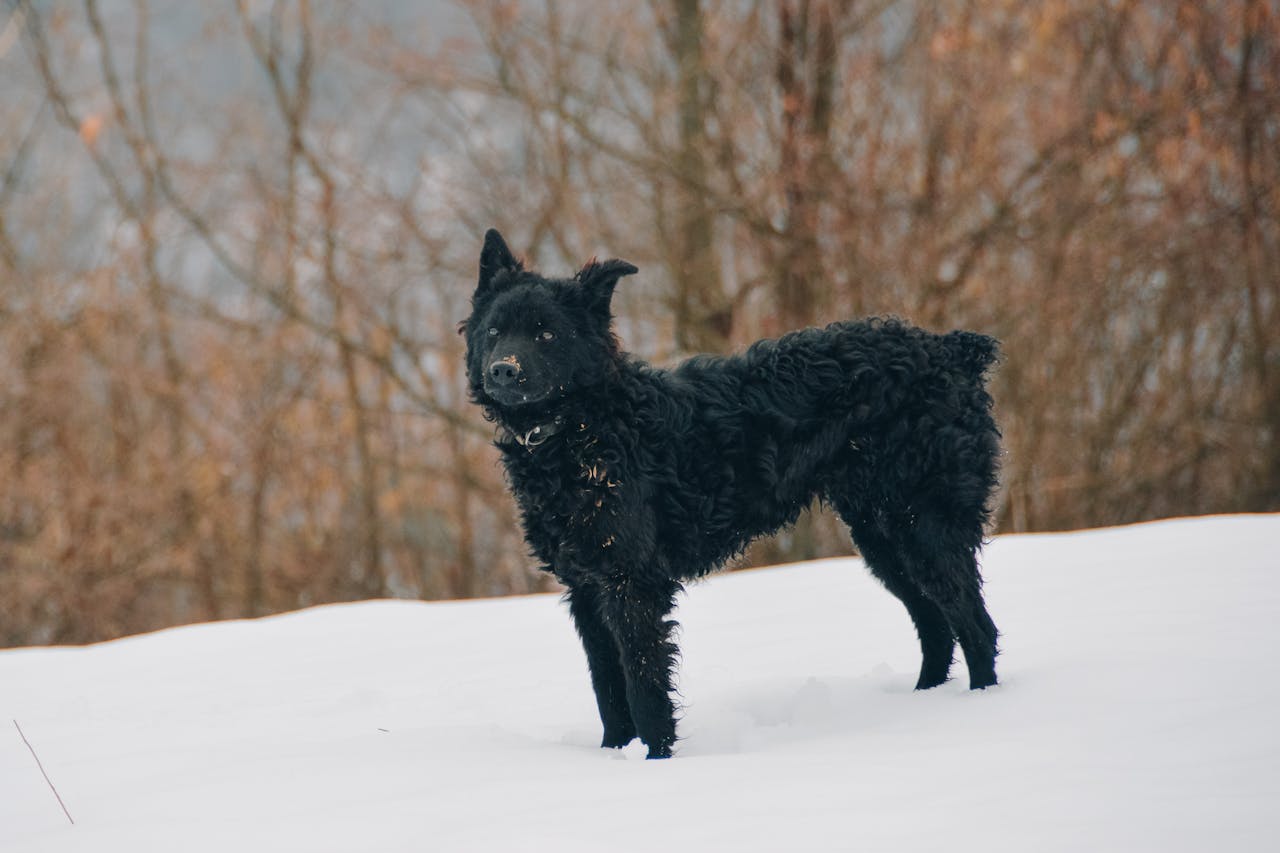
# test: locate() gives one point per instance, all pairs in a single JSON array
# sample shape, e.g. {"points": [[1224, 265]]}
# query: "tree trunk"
{"points": [[703, 313]]}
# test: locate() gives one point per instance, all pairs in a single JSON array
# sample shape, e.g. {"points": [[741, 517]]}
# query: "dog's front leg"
{"points": [[636, 613], [605, 664]]}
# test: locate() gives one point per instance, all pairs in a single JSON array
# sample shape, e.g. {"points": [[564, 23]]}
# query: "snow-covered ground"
{"points": [[1137, 711]]}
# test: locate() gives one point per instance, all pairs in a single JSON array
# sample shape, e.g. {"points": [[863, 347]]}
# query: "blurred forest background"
{"points": [[235, 239]]}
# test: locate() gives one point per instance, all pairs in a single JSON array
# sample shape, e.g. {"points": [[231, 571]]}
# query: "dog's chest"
{"points": [[571, 497]]}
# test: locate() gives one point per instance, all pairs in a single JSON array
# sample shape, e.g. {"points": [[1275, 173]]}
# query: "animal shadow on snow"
{"points": [[756, 716]]}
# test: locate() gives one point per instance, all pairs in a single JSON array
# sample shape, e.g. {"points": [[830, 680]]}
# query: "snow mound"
{"points": [[1136, 712]]}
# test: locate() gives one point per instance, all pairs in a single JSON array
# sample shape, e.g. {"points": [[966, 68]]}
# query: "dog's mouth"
{"points": [[523, 393]]}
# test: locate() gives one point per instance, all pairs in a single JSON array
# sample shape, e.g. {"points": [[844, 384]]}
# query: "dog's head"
{"points": [[533, 341]]}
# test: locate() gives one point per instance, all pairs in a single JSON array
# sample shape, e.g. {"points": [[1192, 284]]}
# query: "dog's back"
{"points": [[821, 373]]}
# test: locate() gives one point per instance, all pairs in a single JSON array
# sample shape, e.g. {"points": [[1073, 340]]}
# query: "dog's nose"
{"points": [[505, 372]]}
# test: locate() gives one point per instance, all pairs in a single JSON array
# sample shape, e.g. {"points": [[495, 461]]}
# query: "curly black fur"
{"points": [[631, 479]]}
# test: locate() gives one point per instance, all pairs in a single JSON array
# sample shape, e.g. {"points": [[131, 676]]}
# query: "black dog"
{"points": [[631, 479]]}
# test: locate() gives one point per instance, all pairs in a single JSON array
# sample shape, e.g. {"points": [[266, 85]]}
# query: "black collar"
{"points": [[529, 439]]}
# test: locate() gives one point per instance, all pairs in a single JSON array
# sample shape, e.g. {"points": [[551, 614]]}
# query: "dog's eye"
{"points": [[493, 331], [546, 335]]}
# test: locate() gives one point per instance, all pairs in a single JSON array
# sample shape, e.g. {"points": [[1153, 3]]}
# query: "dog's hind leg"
{"points": [[636, 613], [605, 664], [943, 562], [937, 640]]}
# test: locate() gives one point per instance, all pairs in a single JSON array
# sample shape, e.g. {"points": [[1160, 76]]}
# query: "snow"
{"points": [[1136, 712]]}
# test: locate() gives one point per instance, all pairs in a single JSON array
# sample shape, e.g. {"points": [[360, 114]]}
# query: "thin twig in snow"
{"points": [[42, 773]]}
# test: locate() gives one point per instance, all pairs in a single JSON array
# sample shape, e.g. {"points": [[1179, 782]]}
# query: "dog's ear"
{"points": [[599, 278], [494, 258]]}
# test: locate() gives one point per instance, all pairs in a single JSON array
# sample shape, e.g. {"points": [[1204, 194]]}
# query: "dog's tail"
{"points": [[974, 352]]}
